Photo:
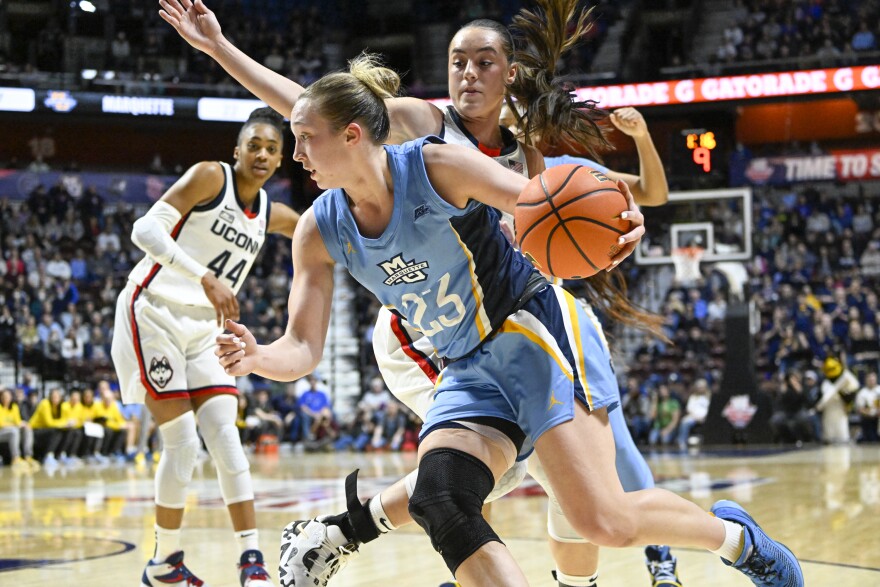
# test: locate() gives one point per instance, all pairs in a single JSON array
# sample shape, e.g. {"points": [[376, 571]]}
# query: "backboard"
{"points": [[719, 221]]}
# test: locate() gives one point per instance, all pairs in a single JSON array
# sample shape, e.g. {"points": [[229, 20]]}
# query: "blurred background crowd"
{"points": [[65, 254]]}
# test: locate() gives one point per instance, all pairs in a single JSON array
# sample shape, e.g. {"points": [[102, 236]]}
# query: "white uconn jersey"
{"points": [[217, 234], [511, 155]]}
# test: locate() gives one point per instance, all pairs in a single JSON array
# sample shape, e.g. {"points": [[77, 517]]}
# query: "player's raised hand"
{"points": [[629, 121], [237, 351], [629, 241], [221, 297], [192, 21]]}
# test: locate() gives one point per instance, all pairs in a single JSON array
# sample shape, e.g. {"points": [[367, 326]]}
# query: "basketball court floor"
{"points": [[93, 526]]}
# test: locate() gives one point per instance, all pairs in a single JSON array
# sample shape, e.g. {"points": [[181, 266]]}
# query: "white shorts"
{"points": [[407, 362], [165, 349]]}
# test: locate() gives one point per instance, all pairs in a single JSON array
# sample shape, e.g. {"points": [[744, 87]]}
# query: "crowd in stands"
{"points": [[138, 45], [827, 33], [63, 261], [813, 280], [67, 427], [287, 37]]}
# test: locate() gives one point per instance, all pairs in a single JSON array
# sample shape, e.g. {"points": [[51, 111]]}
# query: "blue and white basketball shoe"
{"points": [[763, 560]]}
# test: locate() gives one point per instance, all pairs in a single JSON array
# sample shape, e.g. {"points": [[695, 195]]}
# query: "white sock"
{"points": [[380, 518], [167, 542], [248, 539], [575, 581], [732, 547]]}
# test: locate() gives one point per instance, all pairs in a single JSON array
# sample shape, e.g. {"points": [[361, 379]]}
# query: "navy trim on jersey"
{"points": [[510, 142], [268, 213], [215, 201], [473, 230], [255, 210], [548, 311]]}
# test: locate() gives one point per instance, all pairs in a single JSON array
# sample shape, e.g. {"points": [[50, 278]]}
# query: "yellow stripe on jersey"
{"points": [[579, 346], [484, 325], [512, 327]]}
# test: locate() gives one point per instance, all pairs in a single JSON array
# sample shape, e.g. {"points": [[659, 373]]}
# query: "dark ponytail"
{"points": [[546, 112], [545, 109], [264, 115]]}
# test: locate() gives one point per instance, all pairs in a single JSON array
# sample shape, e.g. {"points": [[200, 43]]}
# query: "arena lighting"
{"points": [[89, 73], [17, 99], [759, 86], [86, 6]]}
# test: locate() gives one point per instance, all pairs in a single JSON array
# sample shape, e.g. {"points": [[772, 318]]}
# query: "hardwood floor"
{"points": [[93, 526]]}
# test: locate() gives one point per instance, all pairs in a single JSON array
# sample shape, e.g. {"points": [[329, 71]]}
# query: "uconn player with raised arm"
{"points": [[482, 69], [200, 240], [417, 225]]}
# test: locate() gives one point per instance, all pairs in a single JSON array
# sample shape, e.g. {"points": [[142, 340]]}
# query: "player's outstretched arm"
{"points": [[649, 188], [283, 219], [199, 27], [459, 174], [298, 352]]}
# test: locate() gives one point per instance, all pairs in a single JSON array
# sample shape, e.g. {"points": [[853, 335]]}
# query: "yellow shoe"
{"points": [[19, 465], [33, 463], [156, 456], [140, 459]]}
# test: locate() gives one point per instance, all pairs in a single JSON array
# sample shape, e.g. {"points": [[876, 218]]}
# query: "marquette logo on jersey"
{"points": [[230, 234], [400, 271], [161, 371]]}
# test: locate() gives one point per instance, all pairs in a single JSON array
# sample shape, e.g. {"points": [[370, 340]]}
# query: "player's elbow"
{"points": [[140, 231]]}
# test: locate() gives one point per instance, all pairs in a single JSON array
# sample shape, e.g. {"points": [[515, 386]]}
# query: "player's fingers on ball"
{"points": [[635, 217], [633, 235], [625, 252]]}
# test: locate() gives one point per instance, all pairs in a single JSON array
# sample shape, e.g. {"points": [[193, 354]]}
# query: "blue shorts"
{"points": [[130, 411], [544, 356]]}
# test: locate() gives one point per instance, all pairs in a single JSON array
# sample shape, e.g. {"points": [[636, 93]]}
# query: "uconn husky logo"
{"points": [[400, 271], [161, 371]]}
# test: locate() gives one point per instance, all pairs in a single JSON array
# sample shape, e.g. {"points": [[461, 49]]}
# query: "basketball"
{"points": [[568, 221]]}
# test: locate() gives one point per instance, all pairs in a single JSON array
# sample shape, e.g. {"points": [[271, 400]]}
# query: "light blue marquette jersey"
{"points": [[564, 159], [448, 271], [452, 275]]}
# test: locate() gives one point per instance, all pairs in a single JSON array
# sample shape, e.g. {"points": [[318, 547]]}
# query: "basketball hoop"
{"points": [[687, 264]]}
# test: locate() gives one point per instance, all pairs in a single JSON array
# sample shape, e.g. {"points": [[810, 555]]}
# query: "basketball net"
{"points": [[687, 264]]}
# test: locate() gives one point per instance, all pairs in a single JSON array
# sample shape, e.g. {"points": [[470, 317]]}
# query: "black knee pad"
{"points": [[447, 503]]}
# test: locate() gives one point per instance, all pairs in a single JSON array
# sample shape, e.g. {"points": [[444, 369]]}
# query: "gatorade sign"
{"points": [[740, 87]]}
